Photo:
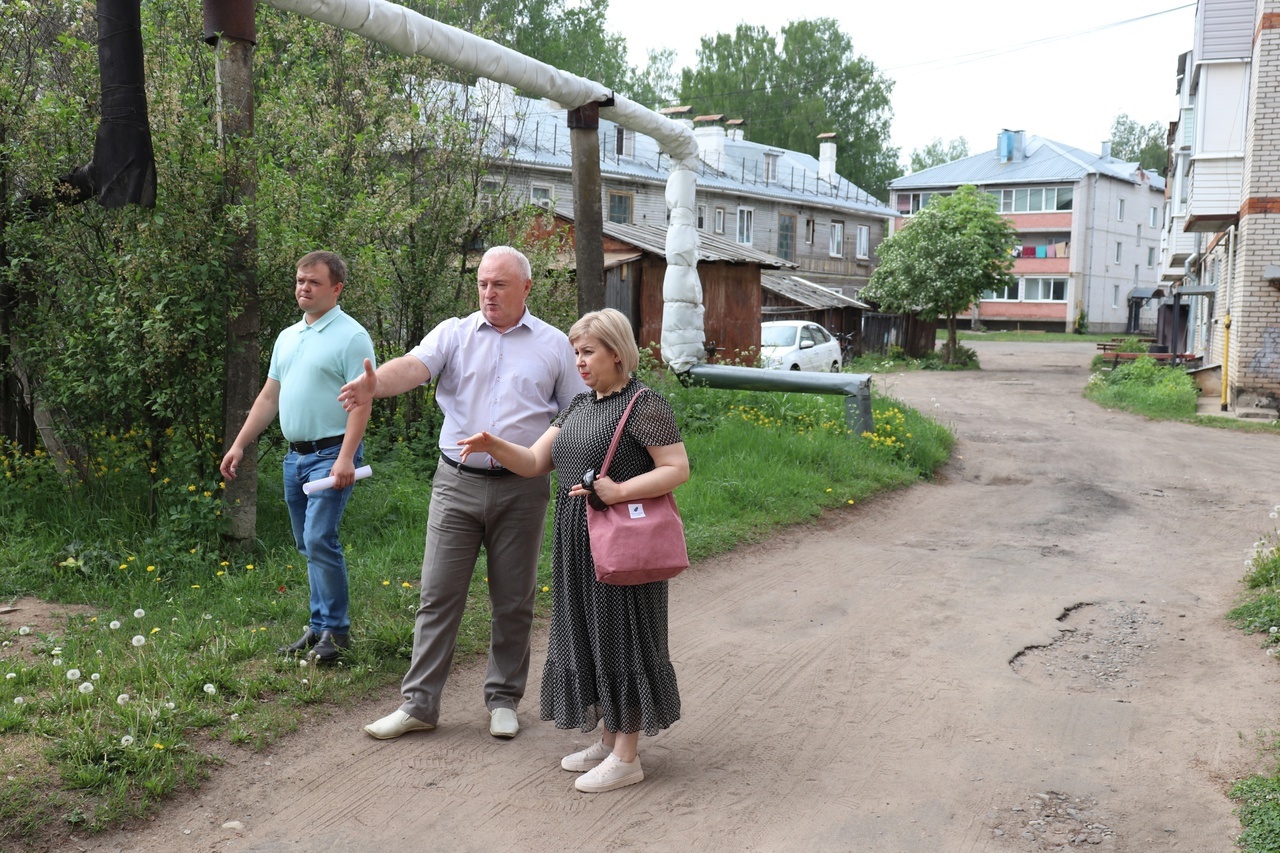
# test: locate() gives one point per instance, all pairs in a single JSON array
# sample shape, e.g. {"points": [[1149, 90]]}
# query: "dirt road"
{"points": [[1029, 653]]}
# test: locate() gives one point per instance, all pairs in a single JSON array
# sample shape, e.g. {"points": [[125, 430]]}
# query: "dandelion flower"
{"points": [[139, 640], [210, 689], [155, 630], [159, 745], [24, 630], [386, 583], [122, 700], [73, 675], [115, 625], [127, 740], [151, 568], [546, 589], [139, 613], [407, 585], [86, 688]]}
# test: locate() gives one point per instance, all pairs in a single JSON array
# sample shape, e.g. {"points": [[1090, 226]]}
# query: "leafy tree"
{"points": [[656, 86], [1140, 143], [944, 259], [790, 91], [937, 152]]}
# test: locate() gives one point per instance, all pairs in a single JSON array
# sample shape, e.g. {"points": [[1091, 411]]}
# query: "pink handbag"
{"points": [[634, 542]]}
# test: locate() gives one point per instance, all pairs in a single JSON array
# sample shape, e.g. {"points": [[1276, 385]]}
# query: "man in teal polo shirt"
{"points": [[310, 363]]}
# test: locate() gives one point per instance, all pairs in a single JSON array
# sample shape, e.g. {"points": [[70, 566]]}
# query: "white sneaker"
{"points": [[503, 722], [395, 724], [584, 760], [610, 774]]}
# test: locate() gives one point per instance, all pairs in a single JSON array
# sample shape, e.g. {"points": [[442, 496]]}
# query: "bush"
{"points": [[1146, 388]]}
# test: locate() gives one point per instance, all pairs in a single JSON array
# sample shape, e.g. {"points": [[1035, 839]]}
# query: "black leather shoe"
{"points": [[308, 639], [328, 648]]}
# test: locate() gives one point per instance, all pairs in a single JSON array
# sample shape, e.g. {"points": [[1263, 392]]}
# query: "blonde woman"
{"points": [[607, 658]]}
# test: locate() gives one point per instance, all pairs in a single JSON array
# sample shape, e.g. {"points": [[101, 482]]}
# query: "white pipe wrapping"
{"points": [[413, 34]]}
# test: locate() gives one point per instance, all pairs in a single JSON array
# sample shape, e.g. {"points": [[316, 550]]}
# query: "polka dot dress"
{"points": [[607, 654]]}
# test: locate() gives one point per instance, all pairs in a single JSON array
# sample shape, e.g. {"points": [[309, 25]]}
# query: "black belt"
{"points": [[483, 472], [315, 446]]}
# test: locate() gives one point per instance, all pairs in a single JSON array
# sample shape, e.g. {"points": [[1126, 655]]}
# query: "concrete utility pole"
{"points": [[588, 219], [229, 28]]}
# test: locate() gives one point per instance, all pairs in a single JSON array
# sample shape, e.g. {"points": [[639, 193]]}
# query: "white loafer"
{"points": [[586, 759], [610, 774], [503, 722], [395, 724]]}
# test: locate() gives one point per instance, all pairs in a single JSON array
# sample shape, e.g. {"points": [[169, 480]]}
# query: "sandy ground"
{"points": [[1029, 654]]}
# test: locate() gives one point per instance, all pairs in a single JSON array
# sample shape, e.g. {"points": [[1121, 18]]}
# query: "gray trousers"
{"points": [[507, 516]]}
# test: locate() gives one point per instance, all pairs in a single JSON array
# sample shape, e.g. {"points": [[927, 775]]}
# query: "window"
{"points": [[702, 217], [1044, 290], [1034, 199], [745, 225], [909, 203], [770, 168], [1151, 256], [489, 190], [719, 229], [1120, 211], [864, 241], [1115, 296], [787, 237], [1008, 293], [1154, 219], [620, 208], [1119, 248], [808, 232], [836, 248], [624, 142], [541, 196]]}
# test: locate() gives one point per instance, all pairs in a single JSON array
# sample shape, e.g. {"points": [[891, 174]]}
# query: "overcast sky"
{"points": [[1059, 70]]}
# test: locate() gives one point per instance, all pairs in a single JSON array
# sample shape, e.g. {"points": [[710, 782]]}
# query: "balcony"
{"points": [[1213, 203]]}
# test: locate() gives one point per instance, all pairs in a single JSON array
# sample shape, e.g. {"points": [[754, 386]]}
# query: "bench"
{"points": [[1186, 358]]}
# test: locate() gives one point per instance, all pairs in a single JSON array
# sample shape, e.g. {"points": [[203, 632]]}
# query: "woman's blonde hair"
{"points": [[613, 330]]}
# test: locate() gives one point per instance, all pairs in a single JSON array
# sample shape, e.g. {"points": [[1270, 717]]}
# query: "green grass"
{"points": [[1029, 337], [1146, 388], [897, 361], [190, 670], [1258, 612]]}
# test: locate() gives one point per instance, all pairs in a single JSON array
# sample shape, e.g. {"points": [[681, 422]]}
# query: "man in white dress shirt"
{"points": [[503, 370]]}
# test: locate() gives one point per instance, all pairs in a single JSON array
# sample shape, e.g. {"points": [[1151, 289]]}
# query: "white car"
{"points": [[798, 345]]}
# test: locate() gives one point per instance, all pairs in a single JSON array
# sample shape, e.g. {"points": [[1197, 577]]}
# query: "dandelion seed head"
{"points": [[18, 700], [115, 625], [122, 700], [139, 641], [9, 676], [24, 631], [86, 688], [210, 689], [139, 613], [73, 675], [127, 740], [94, 677], [57, 661]]}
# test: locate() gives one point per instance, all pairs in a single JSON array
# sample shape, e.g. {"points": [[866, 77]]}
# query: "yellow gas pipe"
{"points": [[1226, 351]]}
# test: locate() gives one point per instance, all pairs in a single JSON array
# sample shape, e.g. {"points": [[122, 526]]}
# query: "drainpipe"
{"points": [[1226, 334]]}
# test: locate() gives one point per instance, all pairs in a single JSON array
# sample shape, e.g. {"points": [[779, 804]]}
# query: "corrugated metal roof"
{"points": [[653, 239], [1044, 161], [806, 292], [539, 136]]}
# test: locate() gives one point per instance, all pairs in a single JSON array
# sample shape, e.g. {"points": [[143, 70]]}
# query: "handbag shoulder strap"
{"points": [[617, 433]]}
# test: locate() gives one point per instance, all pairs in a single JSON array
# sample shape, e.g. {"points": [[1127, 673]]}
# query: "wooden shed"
{"points": [[790, 297], [635, 264]]}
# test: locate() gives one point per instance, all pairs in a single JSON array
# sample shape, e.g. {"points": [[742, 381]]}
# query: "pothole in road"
{"points": [[1098, 649], [1051, 821]]}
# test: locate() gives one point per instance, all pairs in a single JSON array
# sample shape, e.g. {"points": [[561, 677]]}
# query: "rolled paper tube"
{"points": [[327, 482]]}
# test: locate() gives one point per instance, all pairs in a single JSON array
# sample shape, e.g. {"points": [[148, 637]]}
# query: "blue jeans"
{"points": [[315, 519]]}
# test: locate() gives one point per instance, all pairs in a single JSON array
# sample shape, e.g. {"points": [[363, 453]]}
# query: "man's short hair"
{"points": [[613, 330], [526, 271], [337, 266]]}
